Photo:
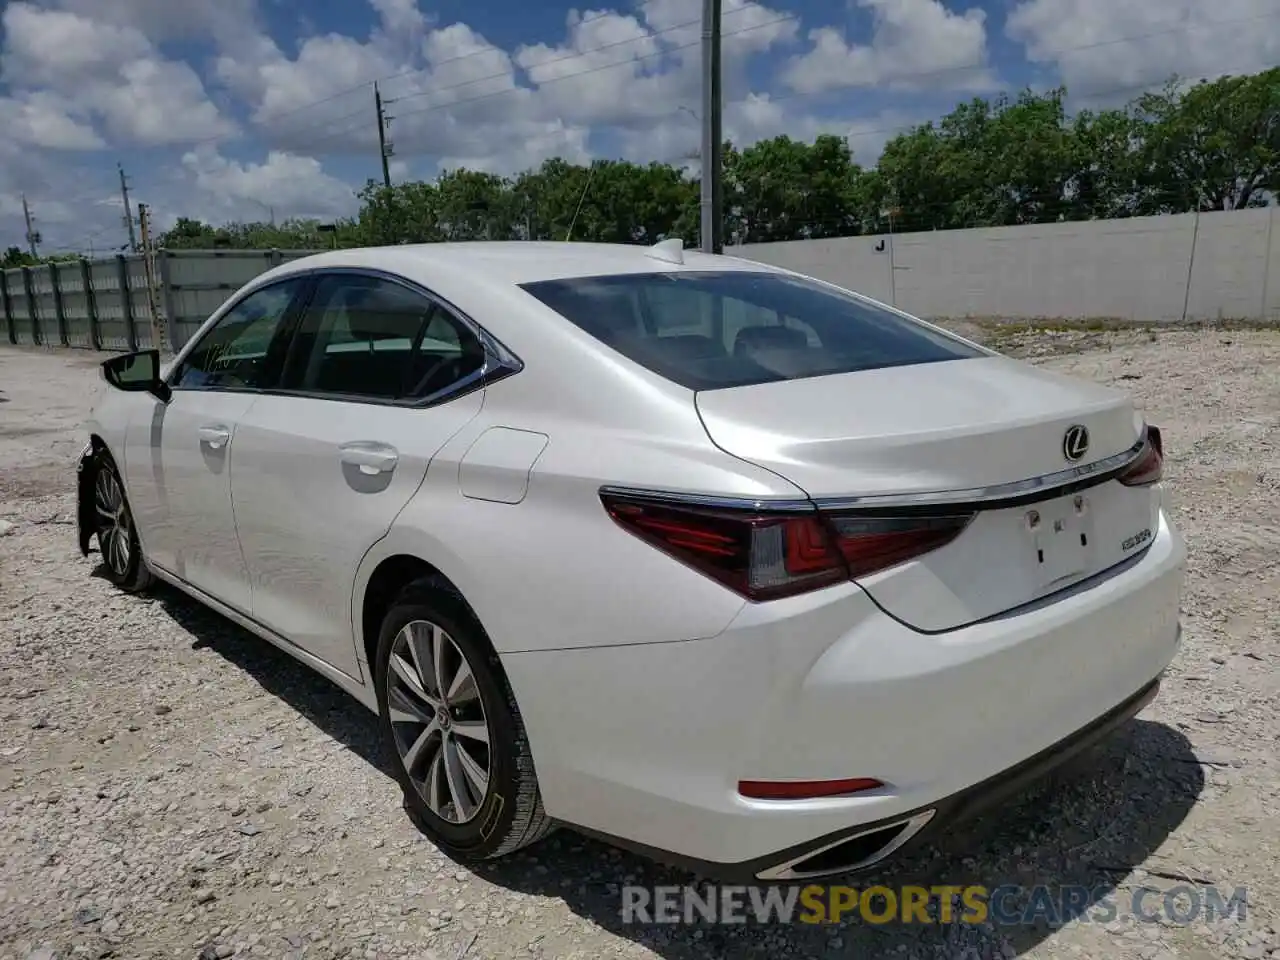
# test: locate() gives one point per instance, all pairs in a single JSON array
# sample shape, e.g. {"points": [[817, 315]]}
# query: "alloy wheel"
{"points": [[438, 720], [115, 532]]}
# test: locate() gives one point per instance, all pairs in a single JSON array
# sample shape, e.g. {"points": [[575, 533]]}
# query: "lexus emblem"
{"points": [[1075, 442]]}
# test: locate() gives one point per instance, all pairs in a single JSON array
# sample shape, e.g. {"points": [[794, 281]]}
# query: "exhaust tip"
{"points": [[851, 853]]}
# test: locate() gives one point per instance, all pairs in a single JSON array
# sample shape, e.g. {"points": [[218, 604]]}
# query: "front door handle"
{"points": [[215, 435], [371, 458]]}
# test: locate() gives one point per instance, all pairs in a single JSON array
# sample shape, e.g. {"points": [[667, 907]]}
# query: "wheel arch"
{"points": [[383, 574], [86, 474]]}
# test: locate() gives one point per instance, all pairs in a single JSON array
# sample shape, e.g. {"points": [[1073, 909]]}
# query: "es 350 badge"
{"points": [[1136, 540]]}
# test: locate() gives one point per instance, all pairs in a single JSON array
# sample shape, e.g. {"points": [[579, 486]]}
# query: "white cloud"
{"points": [[85, 70], [459, 97], [40, 119], [400, 18], [228, 21], [290, 185], [1111, 50], [451, 89], [915, 44]]}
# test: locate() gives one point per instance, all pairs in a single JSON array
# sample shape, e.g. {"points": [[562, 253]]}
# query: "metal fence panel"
{"points": [[140, 300], [200, 281], [104, 304], [74, 300], [114, 325], [19, 306], [42, 296]]}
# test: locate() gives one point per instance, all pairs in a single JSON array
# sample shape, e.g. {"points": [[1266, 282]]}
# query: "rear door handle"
{"points": [[215, 435], [371, 458]]}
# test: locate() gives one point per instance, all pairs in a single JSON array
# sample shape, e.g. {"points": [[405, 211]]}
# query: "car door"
{"points": [[179, 459], [380, 375]]}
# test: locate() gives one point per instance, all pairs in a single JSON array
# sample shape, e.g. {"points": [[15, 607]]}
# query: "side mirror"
{"points": [[137, 373]]}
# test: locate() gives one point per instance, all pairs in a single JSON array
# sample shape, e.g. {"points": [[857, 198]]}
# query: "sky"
{"points": [[244, 109]]}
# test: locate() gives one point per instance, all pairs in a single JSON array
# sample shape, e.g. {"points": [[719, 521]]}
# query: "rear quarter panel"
{"points": [[553, 570]]}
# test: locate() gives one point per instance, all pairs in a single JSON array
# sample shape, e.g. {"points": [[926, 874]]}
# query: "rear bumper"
{"points": [[645, 744], [889, 836]]}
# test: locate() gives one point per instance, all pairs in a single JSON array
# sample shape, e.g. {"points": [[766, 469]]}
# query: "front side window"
{"points": [[236, 353], [710, 330], [366, 337]]}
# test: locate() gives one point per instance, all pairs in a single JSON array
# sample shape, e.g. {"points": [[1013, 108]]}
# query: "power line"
{"points": [[600, 49], [456, 59], [568, 76], [1074, 48], [918, 75]]}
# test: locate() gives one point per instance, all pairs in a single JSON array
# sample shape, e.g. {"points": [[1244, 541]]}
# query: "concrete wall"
{"points": [[1207, 267]]}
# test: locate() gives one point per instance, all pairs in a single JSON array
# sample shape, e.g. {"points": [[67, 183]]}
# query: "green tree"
{"points": [[1215, 146], [988, 162], [784, 189], [17, 257]]}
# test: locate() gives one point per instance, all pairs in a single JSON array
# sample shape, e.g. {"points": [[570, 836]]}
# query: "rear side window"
{"points": [[709, 330]]}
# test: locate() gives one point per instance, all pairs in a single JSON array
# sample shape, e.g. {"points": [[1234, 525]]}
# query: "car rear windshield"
{"points": [[710, 330]]}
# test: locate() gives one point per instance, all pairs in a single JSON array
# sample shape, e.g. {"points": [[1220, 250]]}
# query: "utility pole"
{"points": [[33, 238], [128, 210], [712, 141], [158, 338], [384, 148]]}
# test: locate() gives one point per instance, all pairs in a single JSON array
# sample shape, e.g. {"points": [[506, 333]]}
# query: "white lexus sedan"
{"points": [[711, 560]]}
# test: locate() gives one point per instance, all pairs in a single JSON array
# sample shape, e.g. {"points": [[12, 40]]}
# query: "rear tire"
{"points": [[117, 534], [451, 726]]}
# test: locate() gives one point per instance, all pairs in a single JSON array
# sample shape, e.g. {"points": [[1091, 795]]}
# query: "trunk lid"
{"points": [[952, 427]]}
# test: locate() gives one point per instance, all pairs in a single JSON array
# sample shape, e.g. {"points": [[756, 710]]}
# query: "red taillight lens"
{"points": [[761, 556], [1149, 467], [765, 556], [871, 544]]}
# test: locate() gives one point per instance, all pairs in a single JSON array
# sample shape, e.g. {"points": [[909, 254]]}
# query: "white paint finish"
{"points": [[178, 478], [825, 686], [943, 426], [995, 564], [497, 465], [363, 693], [307, 512], [555, 571], [689, 687]]}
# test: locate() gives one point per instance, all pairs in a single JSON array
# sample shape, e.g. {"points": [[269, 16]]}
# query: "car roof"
{"points": [[517, 261]]}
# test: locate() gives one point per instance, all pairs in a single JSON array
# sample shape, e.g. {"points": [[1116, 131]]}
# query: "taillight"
{"points": [[1148, 468], [765, 556], [759, 555], [871, 544]]}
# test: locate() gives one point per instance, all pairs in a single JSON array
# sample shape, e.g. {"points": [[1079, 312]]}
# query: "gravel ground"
{"points": [[172, 787]]}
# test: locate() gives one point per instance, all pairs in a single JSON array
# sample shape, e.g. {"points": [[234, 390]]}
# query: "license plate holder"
{"points": [[1059, 534]]}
